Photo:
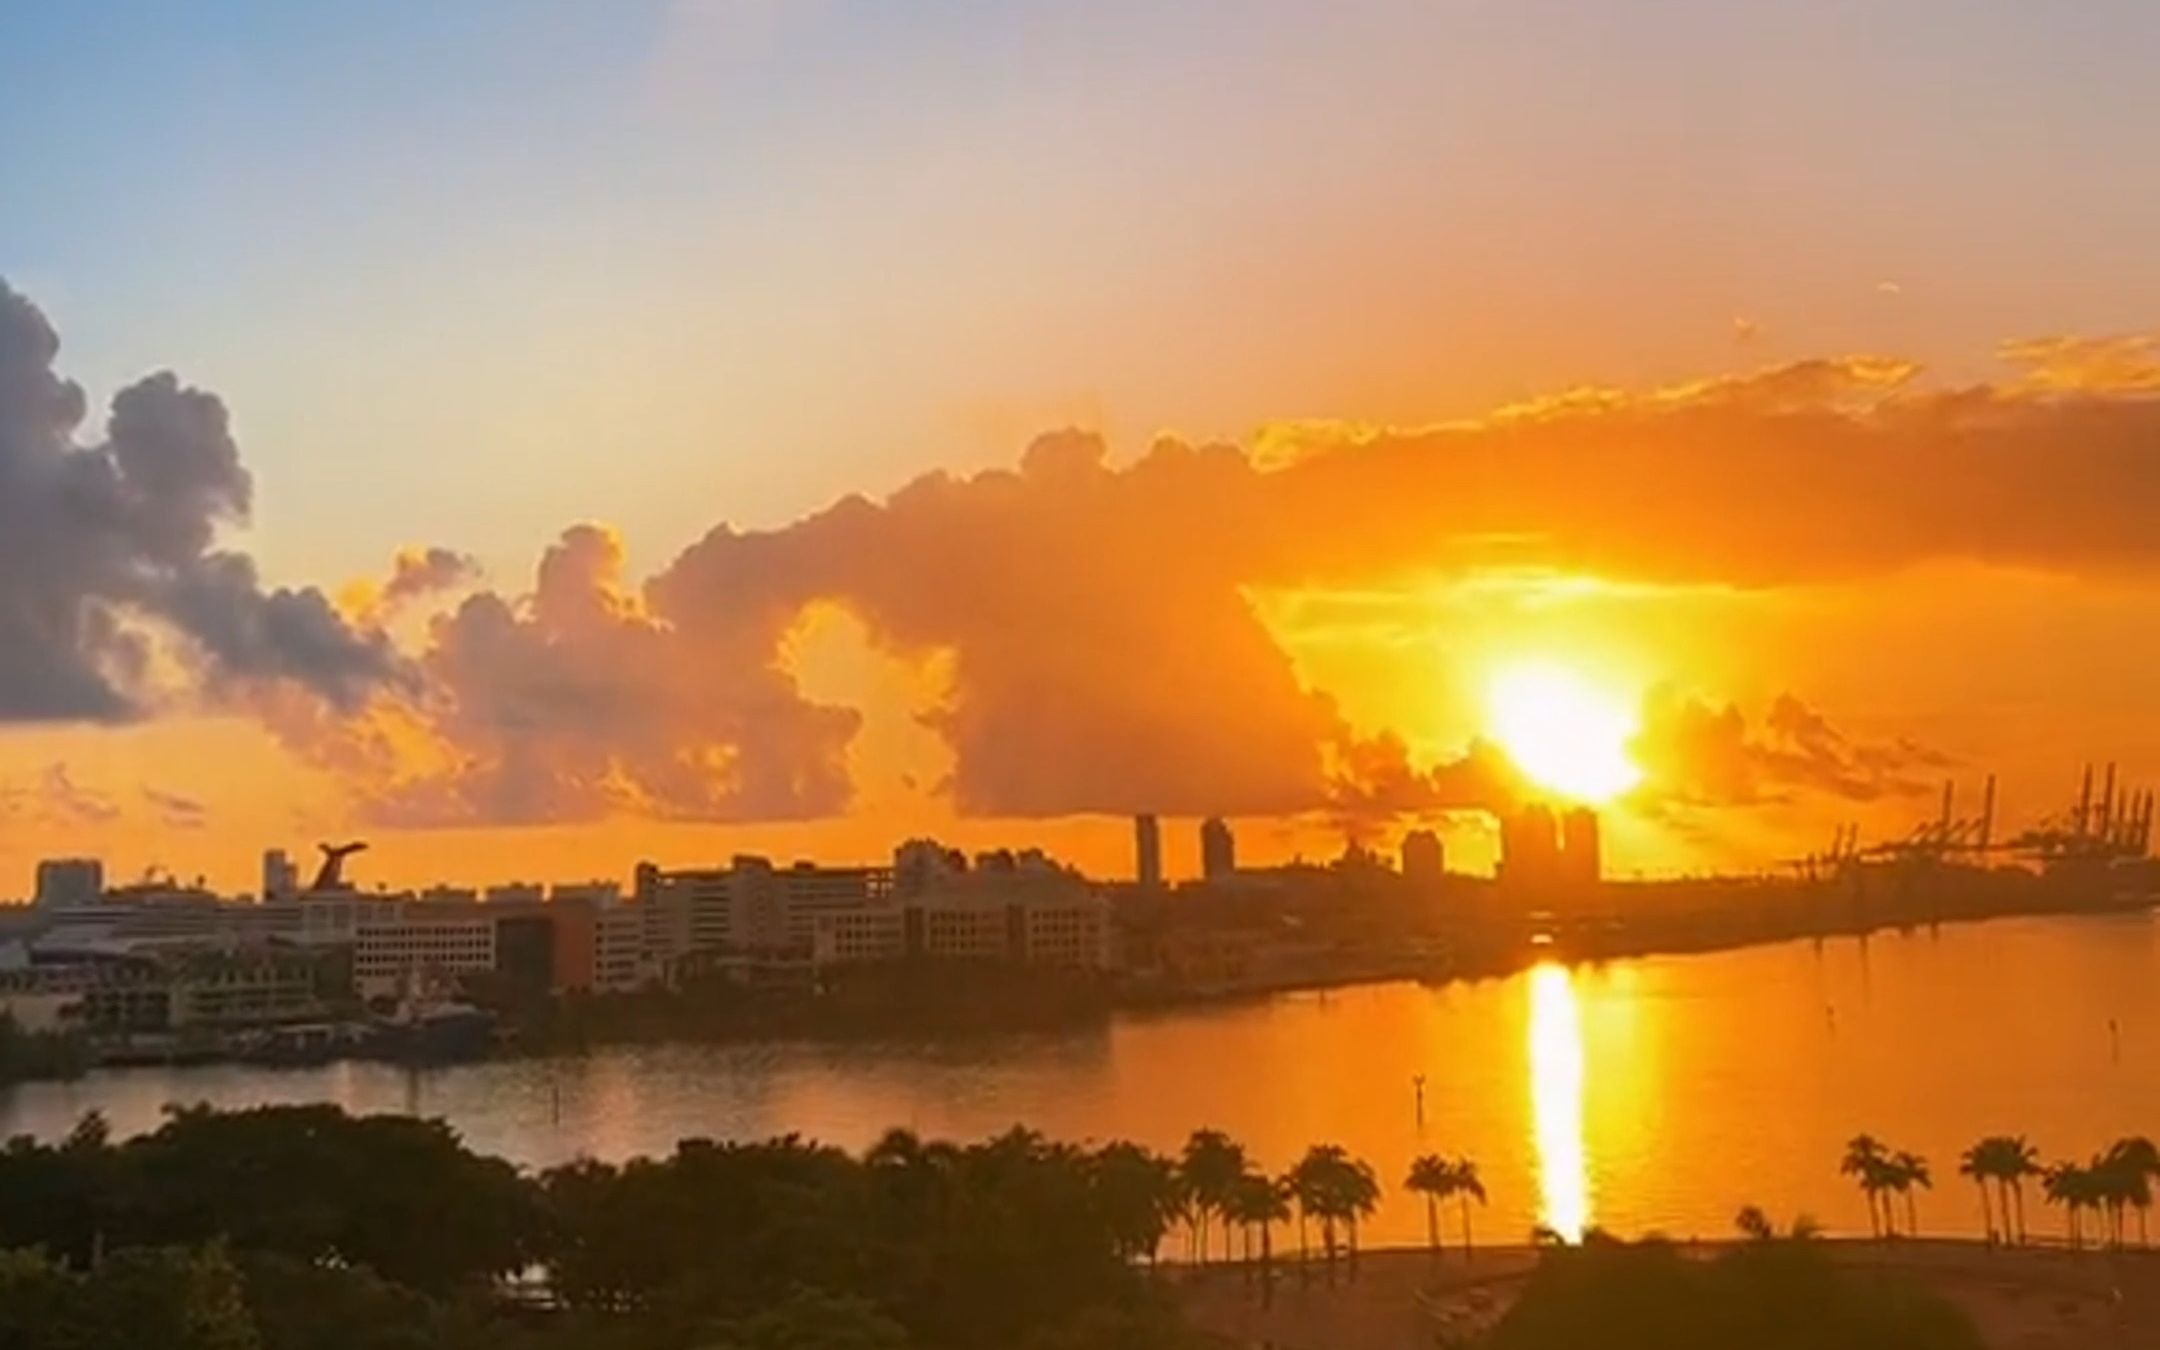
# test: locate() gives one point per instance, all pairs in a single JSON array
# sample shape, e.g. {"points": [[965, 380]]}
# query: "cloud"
{"points": [[174, 811], [1817, 471], [416, 574], [109, 556], [55, 800], [1105, 654], [2128, 363], [1698, 753], [421, 572], [1375, 781], [576, 702], [1096, 621]]}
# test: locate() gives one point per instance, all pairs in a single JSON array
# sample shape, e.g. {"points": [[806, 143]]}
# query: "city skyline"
{"points": [[560, 468]]}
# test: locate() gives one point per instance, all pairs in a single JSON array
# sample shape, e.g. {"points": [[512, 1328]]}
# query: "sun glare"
{"points": [[1565, 733]]}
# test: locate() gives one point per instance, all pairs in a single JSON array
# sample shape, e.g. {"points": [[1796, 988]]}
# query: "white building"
{"points": [[619, 951], [400, 945], [1013, 918], [749, 906]]}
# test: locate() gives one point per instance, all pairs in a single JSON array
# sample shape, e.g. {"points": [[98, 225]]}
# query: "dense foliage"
{"points": [[25, 1055], [302, 1228], [1770, 1294]]}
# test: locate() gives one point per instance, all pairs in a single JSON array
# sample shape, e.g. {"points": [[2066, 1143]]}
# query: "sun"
{"points": [[1564, 732]]}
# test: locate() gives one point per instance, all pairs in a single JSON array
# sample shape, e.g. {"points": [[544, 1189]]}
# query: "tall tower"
{"points": [[1424, 862], [1529, 848], [1581, 853], [1218, 850], [280, 878], [67, 882], [1147, 850]]}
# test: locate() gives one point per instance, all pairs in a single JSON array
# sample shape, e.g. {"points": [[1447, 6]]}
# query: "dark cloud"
{"points": [[1375, 781], [421, 572], [107, 551]]}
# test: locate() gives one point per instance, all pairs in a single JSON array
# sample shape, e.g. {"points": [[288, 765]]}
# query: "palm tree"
{"points": [[1336, 1189], [1139, 1192], [1434, 1178], [1978, 1164], [1867, 1160], [1464, 1182], [2133, 1164], [2071, 1186], [1360, 1196], [1211, 1165], [1257, 1203], [1908, 1170], [2017, 1159], [1306, 1183]]}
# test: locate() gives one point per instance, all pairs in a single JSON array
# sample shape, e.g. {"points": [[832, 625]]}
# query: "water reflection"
{"points": [[1556, 1101]]}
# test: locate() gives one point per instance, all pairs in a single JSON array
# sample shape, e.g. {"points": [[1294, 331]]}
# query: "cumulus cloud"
{"points": [[1376, 780], [107, 551], [1105, 654], [577, 702], [421, 572], [1095, 621]]}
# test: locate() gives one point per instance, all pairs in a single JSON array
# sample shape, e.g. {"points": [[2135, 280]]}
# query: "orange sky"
{"points": [[838, 420], [1816, 590]]}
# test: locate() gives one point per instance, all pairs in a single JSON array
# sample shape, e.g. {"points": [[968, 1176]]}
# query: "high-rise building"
{"points": [[67, 882], [1218, 850], [280, 879], [1424, 862], [1147, 848], [1529, 847], [1581, 855]]}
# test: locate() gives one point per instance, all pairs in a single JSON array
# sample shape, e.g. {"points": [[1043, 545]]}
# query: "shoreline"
{"points": [[1081, 1009]]}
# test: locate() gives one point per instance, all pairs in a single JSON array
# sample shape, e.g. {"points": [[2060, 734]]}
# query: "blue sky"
{"points": [[474, 270]]}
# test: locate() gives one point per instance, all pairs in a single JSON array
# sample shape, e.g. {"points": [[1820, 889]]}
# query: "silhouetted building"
{"points": [[1542, 850], [1147, 848], [1581, 854], [1218, 850], [67, 882], [1529, 847], [1424, 862], [279, 877]]}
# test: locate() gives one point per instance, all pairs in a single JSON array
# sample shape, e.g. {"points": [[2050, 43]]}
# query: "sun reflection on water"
{"points": [[1556, 1101]]}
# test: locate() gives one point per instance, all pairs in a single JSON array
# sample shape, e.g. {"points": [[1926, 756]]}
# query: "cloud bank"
{"points": [[1097, 619]]}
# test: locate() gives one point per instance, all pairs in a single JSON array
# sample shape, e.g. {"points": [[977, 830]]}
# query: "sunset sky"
{"points": [[805, 423]]}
